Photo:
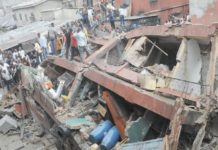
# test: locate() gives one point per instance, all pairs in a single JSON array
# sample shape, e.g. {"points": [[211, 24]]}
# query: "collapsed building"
{"points": [[150, 88]]}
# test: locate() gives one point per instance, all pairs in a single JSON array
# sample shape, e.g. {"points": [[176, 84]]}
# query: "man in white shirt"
{"points": [[82, 43], [6, 75], [21, 53], [123, 13], [90, 16], [43, 44], [15, 54]]}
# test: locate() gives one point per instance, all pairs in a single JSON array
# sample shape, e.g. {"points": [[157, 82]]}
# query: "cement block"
{"points": [[7, 123]]}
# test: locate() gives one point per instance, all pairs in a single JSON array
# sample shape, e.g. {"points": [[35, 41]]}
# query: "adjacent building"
{"points": [[159, 8], [204, 11], [27, 12]]}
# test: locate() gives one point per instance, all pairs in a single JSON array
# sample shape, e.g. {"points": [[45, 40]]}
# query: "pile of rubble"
{"points": [[18, 130], [150, 88]]}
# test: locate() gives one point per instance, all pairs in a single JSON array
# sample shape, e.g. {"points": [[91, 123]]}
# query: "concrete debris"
{"points": [[148, 82], [153, 87], [7, 123], [161, 70], [137, 130], [133, 54], [188, 68], [157, 144]]}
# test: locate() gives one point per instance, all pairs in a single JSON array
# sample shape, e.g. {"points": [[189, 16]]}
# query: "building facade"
{"points": [[204, 11], [28, 12], [160, 8]]}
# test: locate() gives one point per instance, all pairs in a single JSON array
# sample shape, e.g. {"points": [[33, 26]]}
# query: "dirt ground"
{"points": [[14, 142]]}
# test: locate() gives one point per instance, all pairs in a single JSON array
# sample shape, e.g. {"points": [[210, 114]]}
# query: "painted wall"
{"points": [[204, 11], [34, 11], [61, 14], [7, 4], [163, 8]]}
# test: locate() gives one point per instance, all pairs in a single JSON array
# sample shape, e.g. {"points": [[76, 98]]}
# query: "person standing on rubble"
{"points": [[63, 49], [82, 43], [122, 16], [38, 50], [5, 73], [67, 35], [74, 45], [90, 16], [43, 44], [112, 19], [52, 38]]}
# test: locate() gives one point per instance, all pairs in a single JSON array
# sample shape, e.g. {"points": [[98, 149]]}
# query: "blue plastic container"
{"points": [[99, 132], [110, 139]]}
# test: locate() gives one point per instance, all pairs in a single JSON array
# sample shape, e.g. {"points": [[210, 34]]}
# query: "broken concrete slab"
{"points": [[133, 55], [103, 50], [137, 130], [7, 123], [186, 74], [147, 82]]}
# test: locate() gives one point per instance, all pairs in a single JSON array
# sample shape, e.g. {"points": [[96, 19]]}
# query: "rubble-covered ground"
{"points": [[19, 132]]}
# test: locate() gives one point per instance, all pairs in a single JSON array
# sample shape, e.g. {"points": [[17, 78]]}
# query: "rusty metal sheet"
{"points": [[116, 112], [195, 31], [159, 105]]}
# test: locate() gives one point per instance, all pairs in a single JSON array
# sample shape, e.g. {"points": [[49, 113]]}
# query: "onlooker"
{"points": [[6, 75], [82, 43], [38, 50], [122, 13], [52, 38], [90, 16], [74, 45], [63, 49], [67, 35], [112, 19], [43, 44]]}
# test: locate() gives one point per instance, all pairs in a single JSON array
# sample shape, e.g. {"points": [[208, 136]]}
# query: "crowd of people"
{"points": [[178, 21], [72, 40], [10, 65], [68, 41]]}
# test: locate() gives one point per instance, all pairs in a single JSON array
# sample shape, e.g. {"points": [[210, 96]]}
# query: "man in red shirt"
{"points": [[74, 45]]}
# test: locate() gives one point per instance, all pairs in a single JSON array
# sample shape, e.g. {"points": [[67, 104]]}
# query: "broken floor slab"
{"points": [[133, 54], [186, 74]]}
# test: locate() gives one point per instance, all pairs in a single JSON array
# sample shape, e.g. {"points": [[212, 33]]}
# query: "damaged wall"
{"points": [[186, 74], [204, 11], [157, 7]]}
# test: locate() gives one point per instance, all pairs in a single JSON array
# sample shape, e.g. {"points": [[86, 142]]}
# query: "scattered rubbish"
{"points": [[157, 144], [7, 123], [77, 123]]}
